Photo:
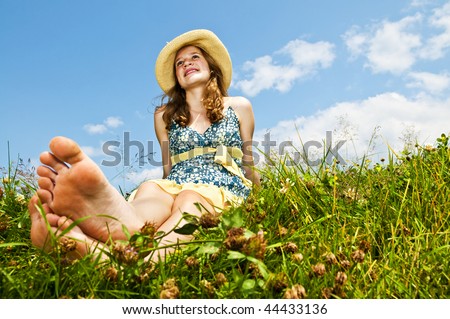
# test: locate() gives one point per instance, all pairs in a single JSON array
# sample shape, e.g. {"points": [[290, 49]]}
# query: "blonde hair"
{"points": [[174, 104]]}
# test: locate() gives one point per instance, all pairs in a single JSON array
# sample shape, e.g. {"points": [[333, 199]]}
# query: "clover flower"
{"points": [[297, 258], [191, 262], [319, 269], [331, 259], [296, 292], [220, 279], [169, 290], [209, 220], [358, 256], [255, 246], [235, 238]]}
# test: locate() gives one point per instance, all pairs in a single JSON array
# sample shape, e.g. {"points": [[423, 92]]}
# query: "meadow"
{"points": [[360, 230]]}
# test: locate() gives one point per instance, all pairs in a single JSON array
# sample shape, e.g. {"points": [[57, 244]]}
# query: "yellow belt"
{"points": [[223, 156]]}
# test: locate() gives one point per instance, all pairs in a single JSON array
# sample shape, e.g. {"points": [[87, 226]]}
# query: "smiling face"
{"points": [[191, 67]]}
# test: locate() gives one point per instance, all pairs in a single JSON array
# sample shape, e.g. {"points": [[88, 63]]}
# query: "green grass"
{"points": [[373, 230]]}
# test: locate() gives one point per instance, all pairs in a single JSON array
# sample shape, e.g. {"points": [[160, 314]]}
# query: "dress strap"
{"points": [[223, 156]]}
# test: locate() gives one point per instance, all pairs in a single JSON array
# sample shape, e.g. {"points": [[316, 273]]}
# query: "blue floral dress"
{"points": [[202, 168]]}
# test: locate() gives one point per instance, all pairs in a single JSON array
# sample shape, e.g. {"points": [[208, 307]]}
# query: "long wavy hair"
{"points": [[174, 104]]}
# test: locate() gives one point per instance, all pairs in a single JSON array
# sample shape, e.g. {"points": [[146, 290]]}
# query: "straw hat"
{"points": [[204, 39]]}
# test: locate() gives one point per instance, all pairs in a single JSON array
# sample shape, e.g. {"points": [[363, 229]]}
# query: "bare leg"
{"points": [[152, 203], [184, 203]]}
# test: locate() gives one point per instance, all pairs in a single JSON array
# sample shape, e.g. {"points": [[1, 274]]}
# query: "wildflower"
{"points": [[429, 148], [235, 238], [145, 275], [351, 193], [148, 229], [345, 264], [331, 259], [286, 186], [364, 245], [169, 290], [21, 199], [340, 279], [297, 258], [319, 269], [191, 262], [343, 261], [1, 193], [296, 292], [310, 184], [207, 287], [282, 231], [373, 275], [250, 206], [209, 220], [327, 292], [279, 281], [260, 215], [255, 246], [220, 279], [126, 254], [66, 261], [3, 226], [290, 247], [67, 244], [358, 256], [111, 274], [406, 231]]}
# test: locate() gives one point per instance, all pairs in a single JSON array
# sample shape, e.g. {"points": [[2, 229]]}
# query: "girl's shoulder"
{"points": [[237, 102], [240, 105]]}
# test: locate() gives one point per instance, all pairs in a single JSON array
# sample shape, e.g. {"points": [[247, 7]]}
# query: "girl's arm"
{"points": [[244, 110], [163, 139]]}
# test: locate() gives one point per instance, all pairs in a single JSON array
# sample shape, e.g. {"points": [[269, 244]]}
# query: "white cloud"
{"points": [[421, 3], [388, 47], [110, 122], [113, 122], [395, 47], [431, 82], [386, 119], [436, 45], [138, 177], [95, 128], [305, 59], [355, 41]]}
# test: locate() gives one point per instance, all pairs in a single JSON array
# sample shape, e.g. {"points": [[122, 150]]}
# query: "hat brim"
{"points": [[205, 40]]}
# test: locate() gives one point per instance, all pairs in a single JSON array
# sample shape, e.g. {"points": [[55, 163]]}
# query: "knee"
{"points": [[148, 189], [187, 197], [191, 202]]}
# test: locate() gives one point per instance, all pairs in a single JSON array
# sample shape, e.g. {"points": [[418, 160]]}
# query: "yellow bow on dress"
{"points": [[223, 155]]}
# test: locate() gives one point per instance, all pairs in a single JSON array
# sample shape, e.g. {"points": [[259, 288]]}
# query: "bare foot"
{"points": [[45, 233], [72, 185]]}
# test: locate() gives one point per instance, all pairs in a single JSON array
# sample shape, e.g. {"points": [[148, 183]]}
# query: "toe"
{"points": [[32, 208], [46, 183], [52, 162], [44, 195], [45, 171], [66, 150]]}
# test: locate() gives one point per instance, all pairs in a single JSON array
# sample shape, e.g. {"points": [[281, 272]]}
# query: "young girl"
{"points": [[205, 138]]}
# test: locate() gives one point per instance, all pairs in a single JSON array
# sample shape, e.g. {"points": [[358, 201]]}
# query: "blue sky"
{"points": [[366, 70]]}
